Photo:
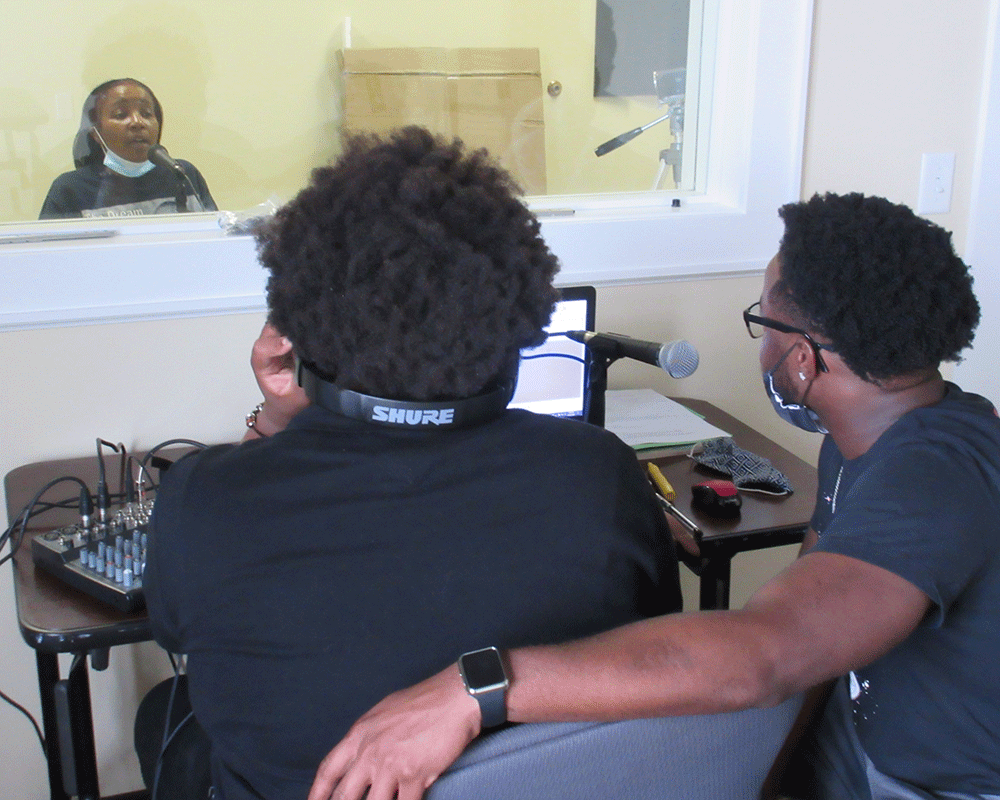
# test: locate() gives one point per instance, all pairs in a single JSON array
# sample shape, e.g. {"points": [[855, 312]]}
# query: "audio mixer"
{"points": [[104, 560]]}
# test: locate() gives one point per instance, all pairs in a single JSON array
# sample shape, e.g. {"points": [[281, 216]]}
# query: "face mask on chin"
{"points": [[130, 169], [114, 162], [797, 414]]}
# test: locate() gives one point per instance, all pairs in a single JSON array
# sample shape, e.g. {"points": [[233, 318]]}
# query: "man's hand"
{"points": [[273, 365], [400, 747], [683, 536]]}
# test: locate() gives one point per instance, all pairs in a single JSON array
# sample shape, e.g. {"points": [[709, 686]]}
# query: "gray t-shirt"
{"points": [[924, 503]]}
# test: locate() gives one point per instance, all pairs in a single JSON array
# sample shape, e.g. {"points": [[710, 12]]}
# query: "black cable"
{"points": [[168, 735], [15, 532], [18, 526], [128, 477], [34, 722], [35, 507], [168, 443], [103, 493], [69, 504], [123, 461]]}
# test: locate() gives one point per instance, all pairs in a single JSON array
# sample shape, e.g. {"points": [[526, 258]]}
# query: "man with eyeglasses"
{"points": [[896, 597]]}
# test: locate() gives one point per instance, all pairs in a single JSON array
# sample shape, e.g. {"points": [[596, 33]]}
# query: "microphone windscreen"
{"points": [[158, 155], [679, 359]]}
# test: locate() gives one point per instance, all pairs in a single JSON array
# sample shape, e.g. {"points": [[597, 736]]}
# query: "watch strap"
{"points": [[493, 707]]}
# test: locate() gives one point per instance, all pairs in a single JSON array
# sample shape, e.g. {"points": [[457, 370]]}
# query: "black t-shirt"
{"points": [[309, 574], [924, 503], [93, 190]]}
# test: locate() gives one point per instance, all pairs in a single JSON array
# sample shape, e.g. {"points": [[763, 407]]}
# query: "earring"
{"points": [[802, 376]]}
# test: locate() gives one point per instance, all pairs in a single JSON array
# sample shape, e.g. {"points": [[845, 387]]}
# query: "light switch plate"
{"points": [[937, 173]]}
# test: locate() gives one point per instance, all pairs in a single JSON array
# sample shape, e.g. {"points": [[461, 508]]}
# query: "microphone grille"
{"points": [[679, 359]]}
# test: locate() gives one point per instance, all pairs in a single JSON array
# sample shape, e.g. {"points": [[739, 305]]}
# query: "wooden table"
{"points": [[764, 521], [55, 618]]}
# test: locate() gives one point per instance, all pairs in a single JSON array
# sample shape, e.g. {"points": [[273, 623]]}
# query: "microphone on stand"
{"points": [[158, 155], [678, 359]]}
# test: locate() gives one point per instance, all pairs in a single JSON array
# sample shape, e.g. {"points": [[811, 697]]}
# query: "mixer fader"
{"points": [[105, 560]]}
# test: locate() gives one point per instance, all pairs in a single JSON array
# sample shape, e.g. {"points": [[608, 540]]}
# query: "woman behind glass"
{"points": [[121, 121]]}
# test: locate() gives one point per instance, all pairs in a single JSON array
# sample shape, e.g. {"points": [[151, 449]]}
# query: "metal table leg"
{"points": [[715, 578], [48, 677]]}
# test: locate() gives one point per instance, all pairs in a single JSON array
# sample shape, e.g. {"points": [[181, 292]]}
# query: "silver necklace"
{"points": [[836, 490]]}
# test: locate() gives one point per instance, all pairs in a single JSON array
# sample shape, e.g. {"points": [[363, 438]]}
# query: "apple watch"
{"points": [[484, 678]]}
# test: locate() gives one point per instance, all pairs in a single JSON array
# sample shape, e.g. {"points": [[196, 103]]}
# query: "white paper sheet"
{"points": [[645, 419]]}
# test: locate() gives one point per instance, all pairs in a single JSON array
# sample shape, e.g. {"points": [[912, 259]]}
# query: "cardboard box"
{"points": [[488, 97]]}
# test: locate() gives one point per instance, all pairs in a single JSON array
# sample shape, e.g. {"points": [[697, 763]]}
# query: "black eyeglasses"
{"points": [[756, 325]]}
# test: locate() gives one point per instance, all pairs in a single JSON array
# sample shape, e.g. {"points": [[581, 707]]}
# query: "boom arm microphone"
{"points": [[678, 359], [628, 136]]}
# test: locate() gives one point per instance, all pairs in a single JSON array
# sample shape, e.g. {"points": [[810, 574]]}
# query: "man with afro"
{"points": [[896, 596], [333, 556]]}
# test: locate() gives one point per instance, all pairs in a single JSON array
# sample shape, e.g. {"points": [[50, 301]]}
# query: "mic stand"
{"points": [[597, 380], [602, 355], [181, 194], [671, 156]]}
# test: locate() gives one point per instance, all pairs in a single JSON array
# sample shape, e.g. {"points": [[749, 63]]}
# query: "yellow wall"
{"points": [[143, 382], [251, 89]]}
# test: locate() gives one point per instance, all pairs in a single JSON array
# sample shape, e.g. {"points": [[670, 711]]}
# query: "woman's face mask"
{"points": [[114, 162], [130, 169]]}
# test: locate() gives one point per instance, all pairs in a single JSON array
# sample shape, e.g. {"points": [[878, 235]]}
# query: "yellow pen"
{"points": [[661, 482]]}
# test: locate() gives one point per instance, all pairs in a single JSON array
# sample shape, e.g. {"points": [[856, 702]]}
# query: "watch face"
{"points": [[483, 669]]}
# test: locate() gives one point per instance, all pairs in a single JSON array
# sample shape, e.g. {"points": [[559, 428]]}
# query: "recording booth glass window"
{"points": [[554, 378], [255, 98]]}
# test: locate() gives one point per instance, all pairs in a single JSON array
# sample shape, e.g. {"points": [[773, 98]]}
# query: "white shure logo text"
{"points": [[413, 416]]}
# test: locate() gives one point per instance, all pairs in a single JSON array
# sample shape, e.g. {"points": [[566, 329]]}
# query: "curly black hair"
{"points": [[881, 284], [409, 269]]}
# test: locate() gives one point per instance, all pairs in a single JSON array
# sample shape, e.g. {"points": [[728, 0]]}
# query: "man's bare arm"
{"points": [[823, 616]]}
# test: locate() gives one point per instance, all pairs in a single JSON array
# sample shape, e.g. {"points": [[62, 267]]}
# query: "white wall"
{"points": [[891, 79], [978, 371]]}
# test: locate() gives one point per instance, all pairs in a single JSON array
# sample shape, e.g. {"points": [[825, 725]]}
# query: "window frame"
{"points": [[755, 143], [187, 266]]}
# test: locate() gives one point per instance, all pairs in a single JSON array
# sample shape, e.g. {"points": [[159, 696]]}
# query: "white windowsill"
{"points": [[186, 266]]}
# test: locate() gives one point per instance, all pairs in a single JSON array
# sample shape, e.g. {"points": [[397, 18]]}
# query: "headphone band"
{"points": [[402, 413]]}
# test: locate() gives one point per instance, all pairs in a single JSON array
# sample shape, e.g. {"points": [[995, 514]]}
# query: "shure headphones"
{"points": [[403, 413]]}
